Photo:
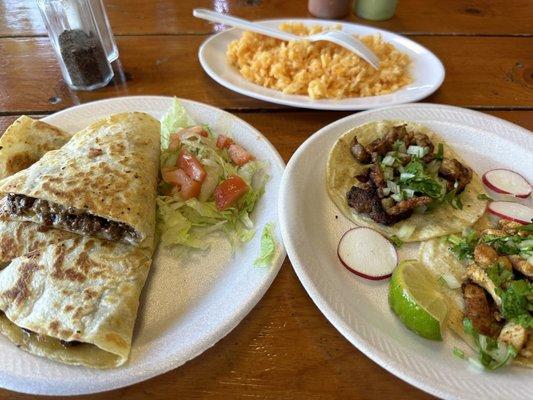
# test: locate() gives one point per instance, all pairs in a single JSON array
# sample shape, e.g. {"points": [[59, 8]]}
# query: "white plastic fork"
{"points": [[345, 40]]}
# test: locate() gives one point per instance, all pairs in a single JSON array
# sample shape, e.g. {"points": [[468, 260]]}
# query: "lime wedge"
{"points": [[415, 297]]}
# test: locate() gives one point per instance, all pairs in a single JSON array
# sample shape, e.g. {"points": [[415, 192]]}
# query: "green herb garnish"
{"points": [[463, 246], [396, 241]]}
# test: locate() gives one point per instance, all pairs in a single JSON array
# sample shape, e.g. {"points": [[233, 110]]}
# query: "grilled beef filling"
{"points": [[68, 218], [374, 195]]}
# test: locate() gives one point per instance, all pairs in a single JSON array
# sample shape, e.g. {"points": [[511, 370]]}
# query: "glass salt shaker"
{"points": [[77, 41]]}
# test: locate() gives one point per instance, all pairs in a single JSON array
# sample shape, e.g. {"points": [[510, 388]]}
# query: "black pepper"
{"points": [[84, 57]]}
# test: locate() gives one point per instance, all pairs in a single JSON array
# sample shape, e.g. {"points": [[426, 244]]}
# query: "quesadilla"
{"points": [[401, 179], [493, 297], [101, 183], [74, 302], [25, 142], [74, 298]]}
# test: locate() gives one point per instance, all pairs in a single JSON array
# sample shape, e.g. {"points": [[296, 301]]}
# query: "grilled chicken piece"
{"points": [[510, 227], [479, 310], [522, 266], [513, 334], [485, 255], [480, 277], [453, 171], [494, 232], [405, 205], [359, 152]]}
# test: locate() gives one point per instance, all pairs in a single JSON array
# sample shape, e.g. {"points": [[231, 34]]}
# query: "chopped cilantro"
{"points": [[516, 303], [499, 274], [396, 241], [463, 247], [483, 196]]}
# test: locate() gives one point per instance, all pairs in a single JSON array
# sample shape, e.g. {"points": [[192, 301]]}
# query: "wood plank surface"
{"points": [[134, 17], [285, 348], [481, 72]]}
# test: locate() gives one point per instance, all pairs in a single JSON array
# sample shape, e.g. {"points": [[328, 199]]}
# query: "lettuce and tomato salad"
{"points": [[209, 183]]}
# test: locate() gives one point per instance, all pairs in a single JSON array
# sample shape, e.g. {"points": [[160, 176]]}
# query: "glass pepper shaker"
{"points": [[77, 42], [104, 27]]}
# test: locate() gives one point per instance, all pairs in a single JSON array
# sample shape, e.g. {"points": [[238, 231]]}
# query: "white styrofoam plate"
{"points": [[427, 70], [187, 304], [311, 227]]}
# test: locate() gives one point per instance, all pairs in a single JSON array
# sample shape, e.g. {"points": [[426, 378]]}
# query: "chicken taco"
{"points": [[490, 306], [402, 179]]}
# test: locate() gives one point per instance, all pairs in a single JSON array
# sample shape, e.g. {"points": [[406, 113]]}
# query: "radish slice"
{"points": [[367, 253], [511, 211], [507, 182]]}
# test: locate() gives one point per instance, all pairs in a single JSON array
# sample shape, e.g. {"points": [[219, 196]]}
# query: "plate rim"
{"points": [[16, 383], [317, 105], [356, 339]]}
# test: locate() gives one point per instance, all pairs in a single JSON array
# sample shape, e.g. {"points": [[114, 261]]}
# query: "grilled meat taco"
{"points": [[493, 305], [67, 297], [25, 142], [402, 179], [101, 183]]}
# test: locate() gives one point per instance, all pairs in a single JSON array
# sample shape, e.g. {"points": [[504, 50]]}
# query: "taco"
{"points": [[492, 302], [401, 179]]}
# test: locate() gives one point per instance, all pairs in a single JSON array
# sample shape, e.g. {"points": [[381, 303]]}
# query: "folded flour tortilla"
{"points": [[25, 142], [102, 183], [73, 298]]}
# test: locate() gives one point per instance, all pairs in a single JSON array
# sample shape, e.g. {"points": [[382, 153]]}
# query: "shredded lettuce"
{"points": [[188, 223], [267, 249], [175, 119]]}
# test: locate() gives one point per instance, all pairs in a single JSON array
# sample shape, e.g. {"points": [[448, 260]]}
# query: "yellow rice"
{"points": [[319, 69]]}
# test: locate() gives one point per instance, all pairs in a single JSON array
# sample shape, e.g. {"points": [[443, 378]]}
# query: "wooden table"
{"points": [[285, 348]]}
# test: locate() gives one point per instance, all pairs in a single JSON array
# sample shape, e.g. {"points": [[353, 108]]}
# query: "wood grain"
{"points": [[134, 17], [481, 72]]}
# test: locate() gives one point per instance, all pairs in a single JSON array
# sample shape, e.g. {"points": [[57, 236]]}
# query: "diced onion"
{"points": [[409, 193], [388, 173], [418, 151], [406, 175], [386, 191], [388, 161], [451, 281], [406, 231], [393, 187], [397, 197]]}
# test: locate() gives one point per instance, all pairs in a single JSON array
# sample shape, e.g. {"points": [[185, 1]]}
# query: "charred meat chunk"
{"points": [[367, 201], [453, 171], [408, 205], [479, 310], [359, 152], [55, 215]]}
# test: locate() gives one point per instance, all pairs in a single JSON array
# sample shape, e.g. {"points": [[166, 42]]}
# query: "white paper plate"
{"points": [[186, 307], [312, 226], [427, 70]]}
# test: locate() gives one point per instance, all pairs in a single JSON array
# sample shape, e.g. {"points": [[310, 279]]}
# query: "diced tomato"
{"points": [[229, 191], [174, 141], [239, 155], [170, 176], [224, 141], [188, 187], [190, 164]]}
